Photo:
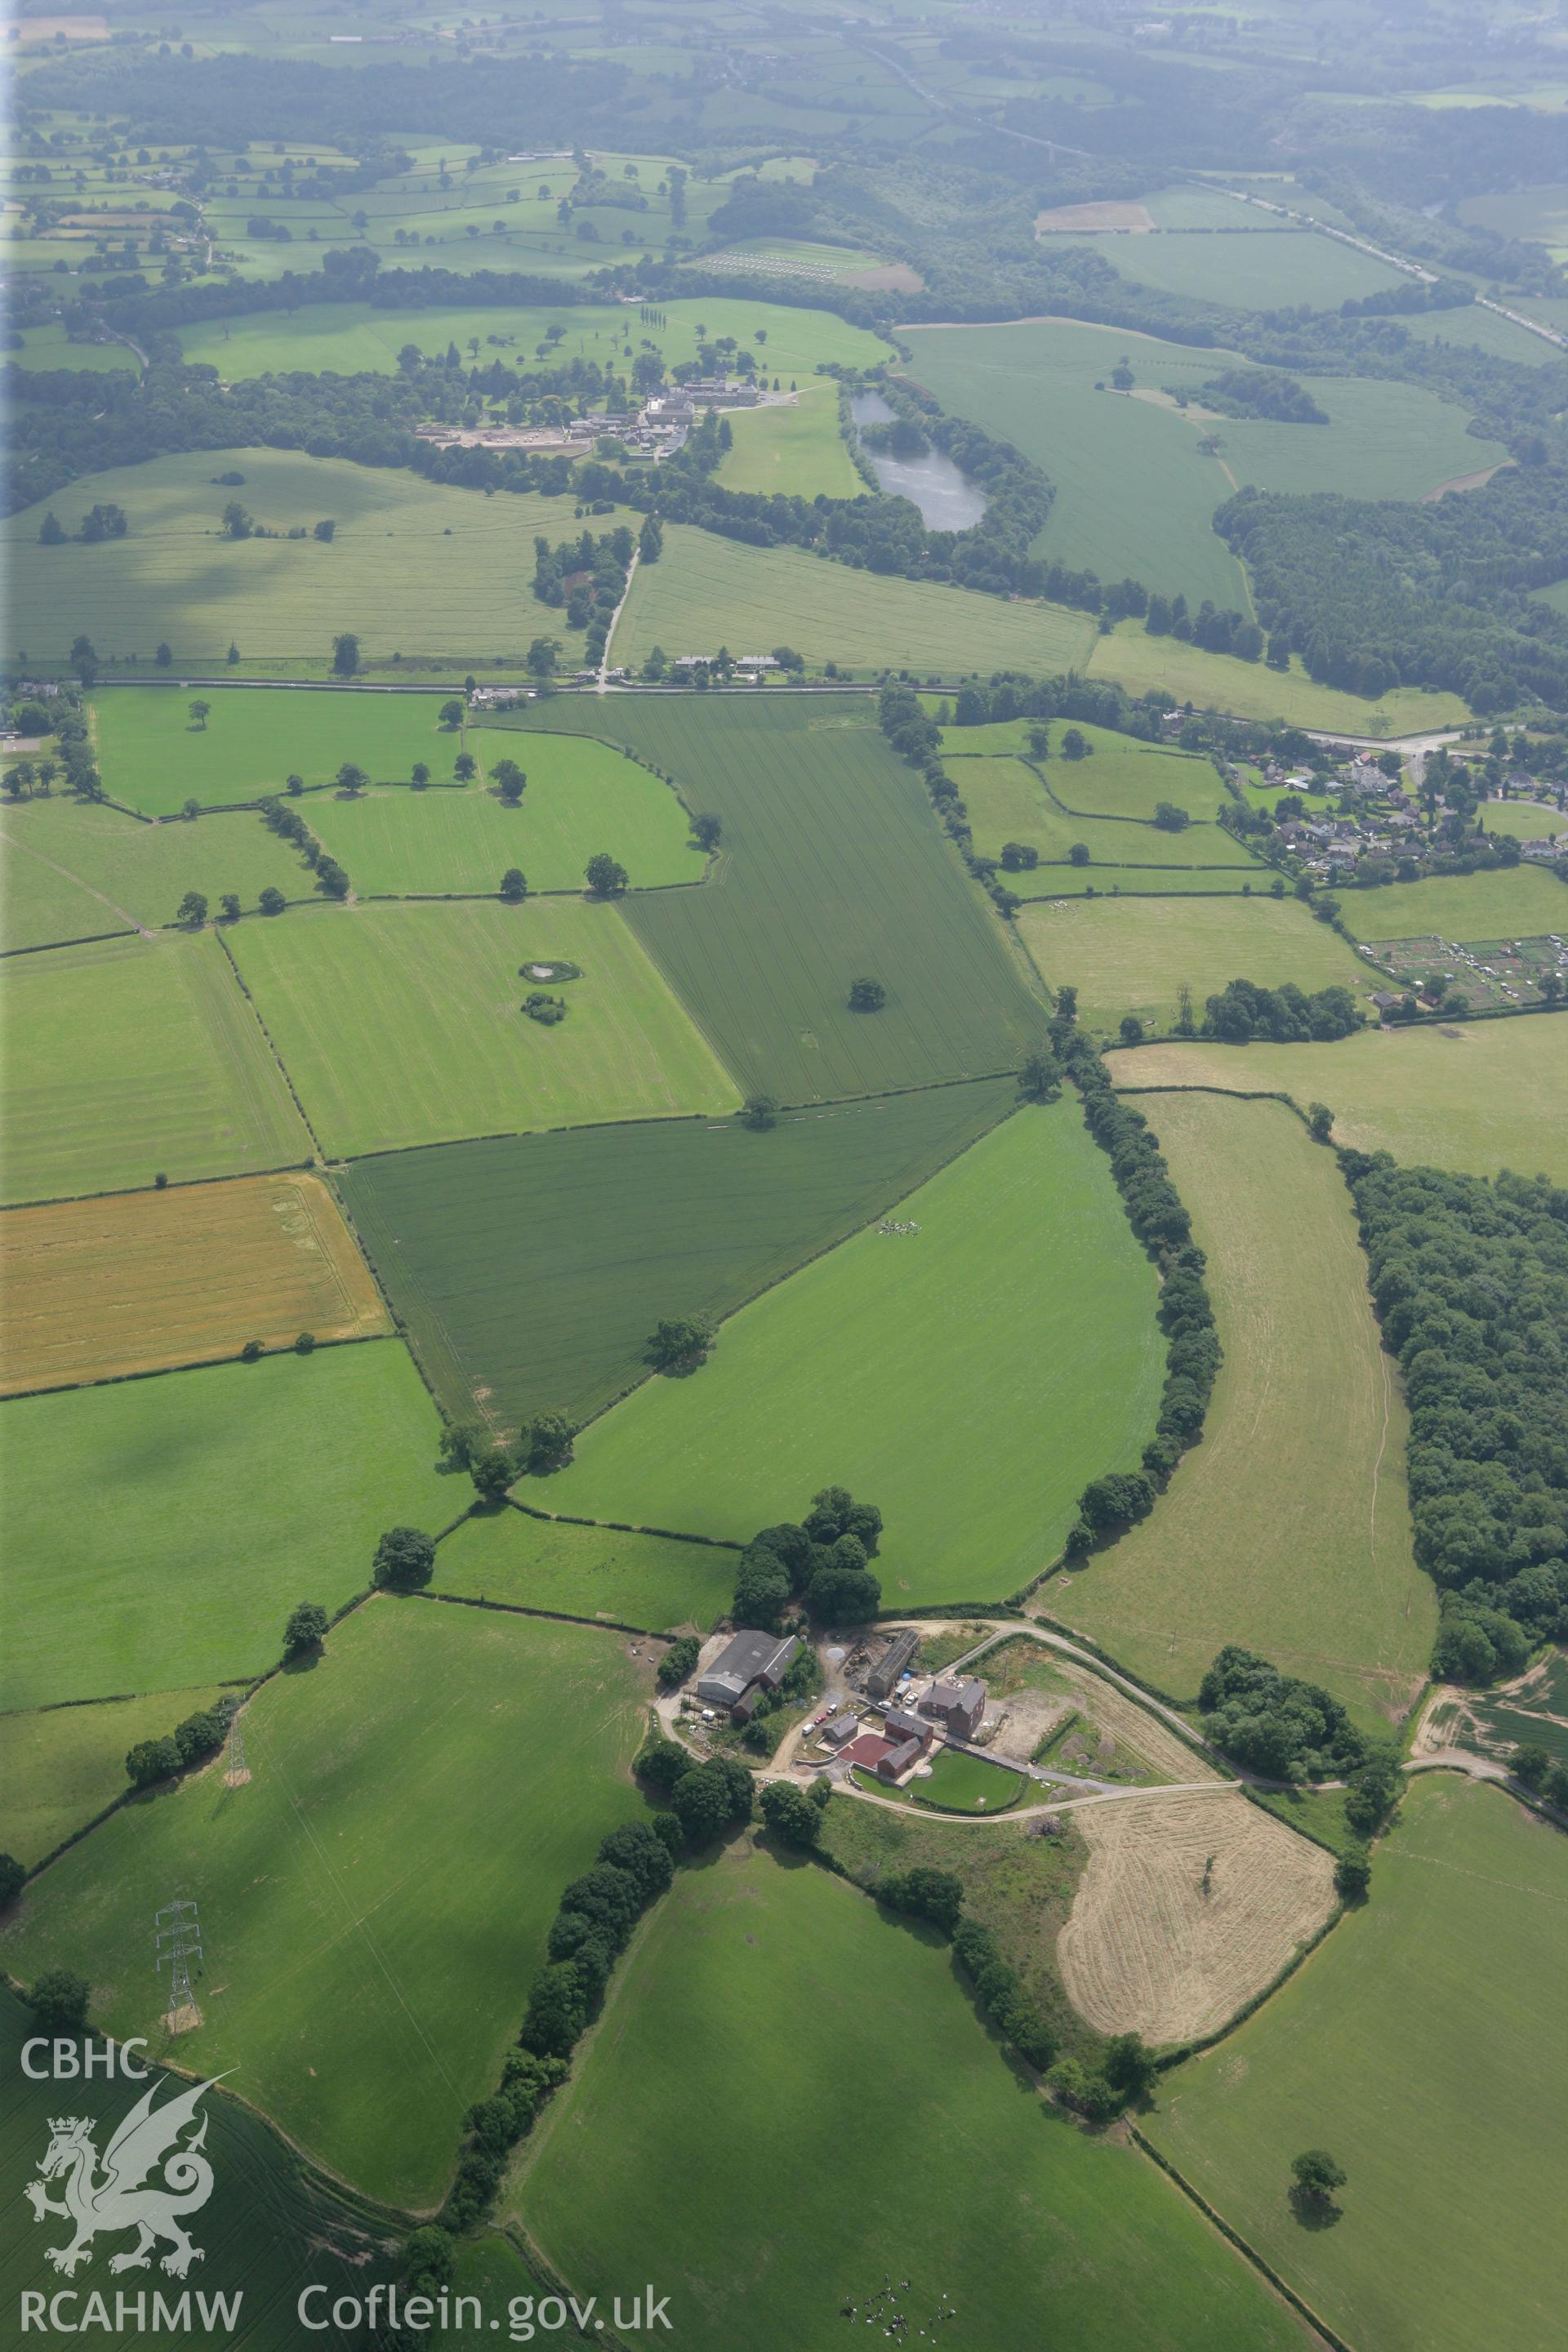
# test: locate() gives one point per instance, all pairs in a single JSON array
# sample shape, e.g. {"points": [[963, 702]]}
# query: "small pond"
{"points": [[947, 499]]}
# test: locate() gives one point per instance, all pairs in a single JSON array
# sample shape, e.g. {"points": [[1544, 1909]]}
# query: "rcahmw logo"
{"points": [[150, 2179]]}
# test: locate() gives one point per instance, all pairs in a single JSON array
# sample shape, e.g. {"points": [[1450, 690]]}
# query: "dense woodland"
{"points": [[1470, 1281]]}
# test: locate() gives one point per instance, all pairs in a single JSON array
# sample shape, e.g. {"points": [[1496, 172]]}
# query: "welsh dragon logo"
{"points": [[119, 2197]]}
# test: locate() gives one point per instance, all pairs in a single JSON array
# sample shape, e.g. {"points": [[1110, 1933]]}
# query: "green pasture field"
{"points": [[1257, 272], [827, 2007], [832, 865], [1252, 1542], [582, 797], [705, 592], [636, 1580], [1121, 776], [40, 904], [154, 755], [416, 568], [131, 1057], [967, 1378], [353, 337], [270, 2228], [1099, 881], [1318, 1813], [1538, 214], [1440, 2105], [73, 869], [161, 1530], [1525, 820], [1477, 1095], [1484, 329], [508, 1259], [1135, 959], [795, 452], [1514, 904], [1252, 690], [367, 1875], [51, 347], [967, 1784], [1134, 493], [402, 1024], [59, 1766], [1006, 802]]}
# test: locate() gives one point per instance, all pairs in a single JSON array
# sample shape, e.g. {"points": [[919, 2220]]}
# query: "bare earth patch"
{"points": [[1093, 218], [1463, 482], [1145, 1951], [1037, 1686]]}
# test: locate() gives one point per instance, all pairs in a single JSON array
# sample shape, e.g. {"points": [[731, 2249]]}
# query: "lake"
{"points": [[947, 499]]}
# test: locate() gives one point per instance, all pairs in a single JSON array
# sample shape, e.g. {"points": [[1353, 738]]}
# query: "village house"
{"points": [[958, 1707]]}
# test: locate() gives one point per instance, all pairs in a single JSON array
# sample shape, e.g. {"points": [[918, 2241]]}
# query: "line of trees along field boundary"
{"points": [[194, 1363]]}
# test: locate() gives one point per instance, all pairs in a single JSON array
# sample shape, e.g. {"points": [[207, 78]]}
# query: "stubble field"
{"points": [[1189, 1906], [100, 1289]]}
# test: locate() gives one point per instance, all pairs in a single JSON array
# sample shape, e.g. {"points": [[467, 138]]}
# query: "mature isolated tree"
{"points": [[58, 2000], [513, 885], [419, 774], [678, 1343], [1169, 818], [1316, 2176], [1353, 1875], [351, 778], [465, 767], [345, 647], [789, 1813], [706, 831], [200, 713], [237, 523], [51, 531], [547, 1442], [230, 905], [759, 1112], [193, 909], [404, 1557], [452, 712], [306, 1629], [492, 1474], [1040, 1077], [327, 529], [509, 781], [661, 1764], [542, 656], [163, 658], [605, 877], [190, 810], [271, 901], [866, 995], [1132, 1029]]}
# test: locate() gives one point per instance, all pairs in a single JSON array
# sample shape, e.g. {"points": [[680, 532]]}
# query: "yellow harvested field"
{"points": [[1146, 1951], [139, 1281]]}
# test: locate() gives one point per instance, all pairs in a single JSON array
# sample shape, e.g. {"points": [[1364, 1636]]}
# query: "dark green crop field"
{"points": [[832, 865], [531, 1270]]}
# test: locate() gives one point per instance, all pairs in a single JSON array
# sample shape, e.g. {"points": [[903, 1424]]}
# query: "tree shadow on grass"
{"points": [[1314, 2213]]}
